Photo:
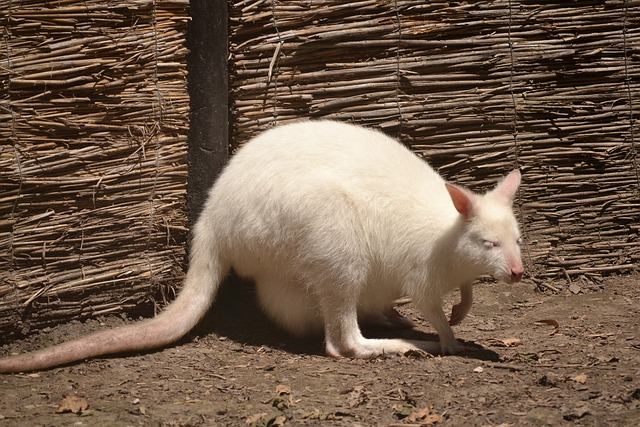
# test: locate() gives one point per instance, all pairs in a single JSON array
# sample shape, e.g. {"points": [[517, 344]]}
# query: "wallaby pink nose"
{"points": [[516, 273]]}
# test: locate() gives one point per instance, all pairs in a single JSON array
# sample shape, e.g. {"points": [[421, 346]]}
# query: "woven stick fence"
{"points": [[477, 88], [94, 107], [93, 123]]}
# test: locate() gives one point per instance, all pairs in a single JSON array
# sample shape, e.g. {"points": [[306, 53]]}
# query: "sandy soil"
{"points": [[580, 366]]}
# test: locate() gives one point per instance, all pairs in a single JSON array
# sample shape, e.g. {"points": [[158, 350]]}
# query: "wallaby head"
{"points": [[491, 239]]}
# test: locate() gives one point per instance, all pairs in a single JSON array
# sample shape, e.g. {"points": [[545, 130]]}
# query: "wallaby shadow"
{"points": [[237, 316]]}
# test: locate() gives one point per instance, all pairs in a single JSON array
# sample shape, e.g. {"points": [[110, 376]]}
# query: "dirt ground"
{"points": [[579, 366]]}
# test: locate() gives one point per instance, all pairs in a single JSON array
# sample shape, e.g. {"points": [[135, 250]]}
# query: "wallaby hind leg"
{"points": [[343, 337]]}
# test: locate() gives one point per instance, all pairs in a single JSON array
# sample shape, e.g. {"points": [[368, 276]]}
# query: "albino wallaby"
{"points": [[333, 222]]}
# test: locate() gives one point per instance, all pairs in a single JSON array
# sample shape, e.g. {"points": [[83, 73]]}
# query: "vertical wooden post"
{"points": [[207, 40]]}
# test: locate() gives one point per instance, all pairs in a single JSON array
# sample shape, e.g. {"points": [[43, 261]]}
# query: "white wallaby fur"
{"points": [[333, 222]]}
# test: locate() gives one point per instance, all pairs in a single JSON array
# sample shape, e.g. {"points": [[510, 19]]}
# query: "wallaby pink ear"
{"points": [[462, 200], [508, 187]]}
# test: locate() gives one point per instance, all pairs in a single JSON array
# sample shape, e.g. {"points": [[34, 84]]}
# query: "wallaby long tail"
{"points": [[203, 279]]}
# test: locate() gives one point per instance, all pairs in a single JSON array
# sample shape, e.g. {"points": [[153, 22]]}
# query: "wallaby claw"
{"points": [[458, 313]]}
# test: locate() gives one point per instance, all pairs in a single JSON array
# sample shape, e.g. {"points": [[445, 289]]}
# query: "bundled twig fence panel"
{"points": [[477, 88], [93, 111], [93, 123]]}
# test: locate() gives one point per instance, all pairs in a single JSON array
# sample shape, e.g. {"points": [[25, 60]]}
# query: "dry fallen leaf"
{"points": [[255, 418], [403, 411], [283, 389], [356, 397], [574, 289], [551, 322], [511, 342], [284, 398], [505, 342], [607, 359], [580, 379], [419, 414], [423, 417], [432, 419], [264, 419], [317, 414], [278, 421], [73, 404]]}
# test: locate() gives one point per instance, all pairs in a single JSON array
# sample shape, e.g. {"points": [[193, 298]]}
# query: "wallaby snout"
{"points": [[516, 273]]}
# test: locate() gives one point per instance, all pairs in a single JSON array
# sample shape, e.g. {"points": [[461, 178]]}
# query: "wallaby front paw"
{"points": [[457, 314], [398, 320]]}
